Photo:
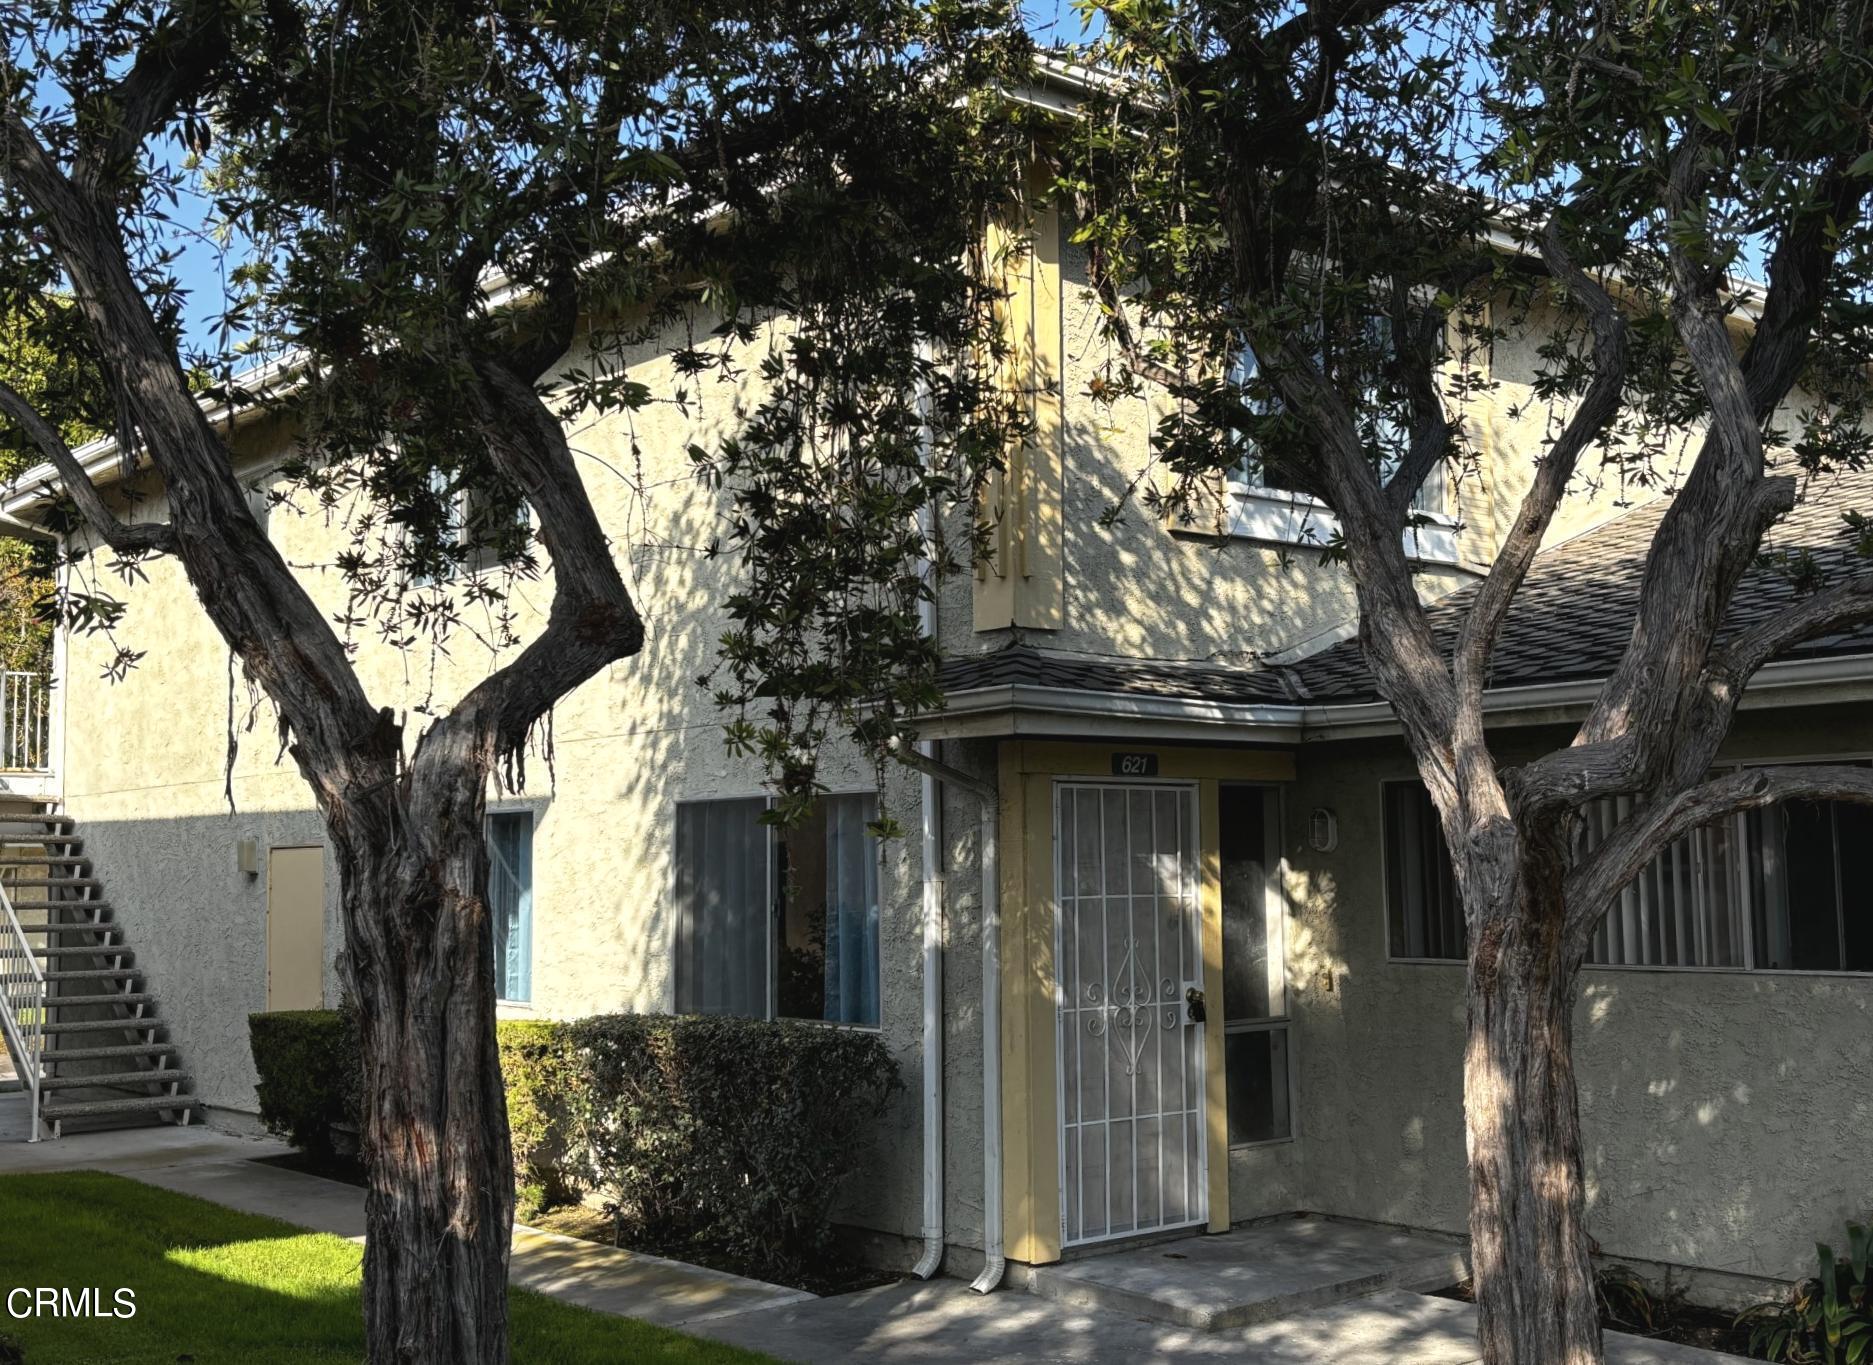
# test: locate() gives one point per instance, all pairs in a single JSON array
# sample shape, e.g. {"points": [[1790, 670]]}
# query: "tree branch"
{"points": [[1415, 344], [142, 538], [170, 68], [1586, 424], [1841, 607], [1597, 879], [592, 621]]}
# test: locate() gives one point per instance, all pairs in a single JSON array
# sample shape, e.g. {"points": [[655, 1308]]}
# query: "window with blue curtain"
{"points": [[510, 902], [778, 923]]}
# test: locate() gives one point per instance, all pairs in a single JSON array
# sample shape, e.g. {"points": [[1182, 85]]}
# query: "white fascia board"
{"points": [[1018, 710]]}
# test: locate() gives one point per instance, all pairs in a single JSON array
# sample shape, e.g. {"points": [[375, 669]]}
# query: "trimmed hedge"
{"points": [[311, 1078], [730, 1133], [541, 1072], [734, 1134]]}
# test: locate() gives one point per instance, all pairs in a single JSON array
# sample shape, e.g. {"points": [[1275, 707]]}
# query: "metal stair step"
{"points": [[109, 998], [114, 1078], [60, 905], [65, 821], [69, 843], [58, 883], [139, 1104], [105, 1054], [41, 926], [89, 950], [93, 974], [44, 859], [146, 1025]]}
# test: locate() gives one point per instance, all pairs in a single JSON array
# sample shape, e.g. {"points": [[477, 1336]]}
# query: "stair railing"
{"points": [[22, 1004]]}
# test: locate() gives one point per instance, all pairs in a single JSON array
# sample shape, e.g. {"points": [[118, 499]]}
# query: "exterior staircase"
{"points": [[80, 1026]]}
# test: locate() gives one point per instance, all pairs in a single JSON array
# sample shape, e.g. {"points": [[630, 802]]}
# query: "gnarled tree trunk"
{"points": [[1528, 1237], [440, 1207]]}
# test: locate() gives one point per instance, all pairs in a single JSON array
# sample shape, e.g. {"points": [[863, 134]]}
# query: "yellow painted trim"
{"points": [[1067, 758], [1210, 914], [1024, 581], [1030, 1122]]}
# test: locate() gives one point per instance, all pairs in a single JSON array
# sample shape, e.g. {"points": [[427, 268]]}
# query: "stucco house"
{"points": [[1172, 944]]}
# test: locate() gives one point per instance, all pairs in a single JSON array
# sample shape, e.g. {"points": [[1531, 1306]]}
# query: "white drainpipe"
{"points": [[932, 1028], [932, 978], [994, 1263]]}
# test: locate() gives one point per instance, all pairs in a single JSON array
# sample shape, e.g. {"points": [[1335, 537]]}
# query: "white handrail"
{"points": [[22, 1005]]}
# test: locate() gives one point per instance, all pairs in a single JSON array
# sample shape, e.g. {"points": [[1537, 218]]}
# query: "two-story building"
{"points": [[1188, 793]]}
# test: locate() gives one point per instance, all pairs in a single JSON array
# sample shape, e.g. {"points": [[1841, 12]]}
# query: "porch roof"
{"points": [[1570, 623]]}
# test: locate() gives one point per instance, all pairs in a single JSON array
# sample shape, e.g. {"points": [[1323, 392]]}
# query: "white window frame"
{"points": [[1745, 893], [1278, 916], [1285, 517], [767, 919]]}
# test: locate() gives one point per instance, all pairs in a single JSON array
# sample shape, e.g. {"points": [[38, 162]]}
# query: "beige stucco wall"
{"points": [[144, 771], [1724, 1122]]}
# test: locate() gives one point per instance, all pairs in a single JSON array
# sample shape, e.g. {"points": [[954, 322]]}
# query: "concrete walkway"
{"points": [[939, 1323], [944, 1322], [221, 1168]]}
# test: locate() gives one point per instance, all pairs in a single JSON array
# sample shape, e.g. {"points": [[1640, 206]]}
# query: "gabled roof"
{"points": [[1569, 624], [1574, 614]]}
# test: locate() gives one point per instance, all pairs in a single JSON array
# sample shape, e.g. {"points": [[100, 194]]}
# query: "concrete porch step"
{"points": [[1252, 1274]]}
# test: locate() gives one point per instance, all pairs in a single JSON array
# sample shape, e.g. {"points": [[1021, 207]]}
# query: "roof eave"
{"points": [[1013, 711]]}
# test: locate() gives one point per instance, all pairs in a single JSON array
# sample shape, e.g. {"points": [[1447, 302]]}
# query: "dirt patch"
{"points": [[833, 1276]]}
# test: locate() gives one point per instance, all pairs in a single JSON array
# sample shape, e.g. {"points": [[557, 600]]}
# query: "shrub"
{"points": [[1825, 1319], [542, 1074], [311, 1092], [731, 1133], [311, 1076]]}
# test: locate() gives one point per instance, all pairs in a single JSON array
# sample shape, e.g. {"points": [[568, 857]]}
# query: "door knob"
{"points": [[1193, 1006]]}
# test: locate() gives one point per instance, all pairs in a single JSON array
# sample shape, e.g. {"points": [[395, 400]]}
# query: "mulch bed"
{"points": [[1687, 1324]]}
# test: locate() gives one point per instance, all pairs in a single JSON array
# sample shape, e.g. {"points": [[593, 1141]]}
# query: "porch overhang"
{"points": [[1030, 710]]}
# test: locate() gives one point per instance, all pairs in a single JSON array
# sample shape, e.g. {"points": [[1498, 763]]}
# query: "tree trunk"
{"points": [[1528, 1237], [440, 1207]]}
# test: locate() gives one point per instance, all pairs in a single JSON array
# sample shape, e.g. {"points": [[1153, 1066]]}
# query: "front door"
{"points": [[1132, 1154]]}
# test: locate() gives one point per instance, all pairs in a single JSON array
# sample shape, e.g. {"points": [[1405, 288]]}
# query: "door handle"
{"points": [[1194, 1013]]}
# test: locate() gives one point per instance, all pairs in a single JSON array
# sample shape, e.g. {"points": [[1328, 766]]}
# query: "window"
{"points": [[1784, 888], [1255, 1009], [1248, 475], [777, 923], [510, 902]]}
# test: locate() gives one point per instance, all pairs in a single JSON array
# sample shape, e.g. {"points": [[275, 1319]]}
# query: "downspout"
{"points": [[994, 1263], [932, 977], [932, 1026]]}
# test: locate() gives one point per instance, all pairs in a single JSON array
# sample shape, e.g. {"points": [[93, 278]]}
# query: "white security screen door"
{"points": [[1132, 1155]]}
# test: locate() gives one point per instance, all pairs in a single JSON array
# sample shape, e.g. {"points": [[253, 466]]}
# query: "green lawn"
{"points": [[223, 1288]]}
